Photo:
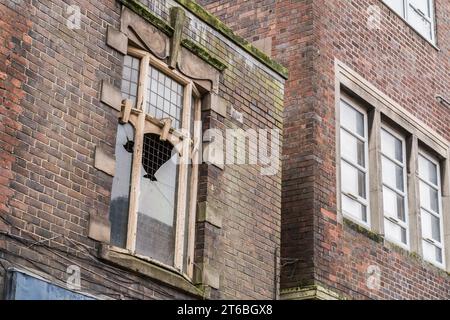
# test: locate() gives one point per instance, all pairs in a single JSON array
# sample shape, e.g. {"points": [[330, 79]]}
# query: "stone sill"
{"points": [[126, 260], [314, 292], [406, 252], [363, 230]]}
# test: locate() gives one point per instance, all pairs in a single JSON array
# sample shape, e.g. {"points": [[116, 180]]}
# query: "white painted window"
{"points": [[431, 209], [354, 163], [395, 193], [418, 13]]}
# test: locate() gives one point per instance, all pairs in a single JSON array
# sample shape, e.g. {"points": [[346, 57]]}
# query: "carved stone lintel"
{"points": [[147, 37], [144, 34], [195, 68]]}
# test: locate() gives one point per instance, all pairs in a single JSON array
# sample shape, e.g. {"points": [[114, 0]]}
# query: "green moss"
{"points": [[215, 23], [204, 54], [369, 234], [403, 251], [392, 246], [145, 13], [211, 20]]}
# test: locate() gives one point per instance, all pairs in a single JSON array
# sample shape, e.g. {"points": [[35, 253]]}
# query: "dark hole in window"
{"points": [[129, 146], [155, 154]]}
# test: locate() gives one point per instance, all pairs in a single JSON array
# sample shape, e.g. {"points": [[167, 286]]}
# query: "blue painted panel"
{"points": [[26, 287]]}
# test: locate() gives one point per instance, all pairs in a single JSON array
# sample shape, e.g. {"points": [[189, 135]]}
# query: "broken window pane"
{"points": [[157, 205], [120, 194]]}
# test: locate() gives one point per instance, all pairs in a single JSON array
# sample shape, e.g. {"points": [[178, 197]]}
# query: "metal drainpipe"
{"points": [[276, 277]]}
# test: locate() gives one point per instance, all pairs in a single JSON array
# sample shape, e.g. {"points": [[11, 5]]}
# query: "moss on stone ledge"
{"points": [[204, 54], [392, 247], [213, 22], [146, 14], [218, 25], [369, 234], [418, 259]]}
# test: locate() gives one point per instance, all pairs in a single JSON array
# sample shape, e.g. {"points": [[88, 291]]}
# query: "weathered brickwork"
{"points": [[307, 36], [52, 120], [12, 36]]}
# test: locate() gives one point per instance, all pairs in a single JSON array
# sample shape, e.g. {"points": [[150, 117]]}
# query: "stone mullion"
{"points": [[137, 155]]}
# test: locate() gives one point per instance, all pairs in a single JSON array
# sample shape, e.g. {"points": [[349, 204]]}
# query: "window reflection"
{"points": [[157, 204], [120, 194]]}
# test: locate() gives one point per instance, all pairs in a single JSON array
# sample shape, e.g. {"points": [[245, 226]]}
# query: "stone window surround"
{"points": [[143, 124], [202, 73], [195, 282], [383, 110]]}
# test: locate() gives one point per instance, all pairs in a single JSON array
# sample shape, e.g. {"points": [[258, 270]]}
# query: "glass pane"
{"points": [[395, 232], [120, 193], [165, 97], [354, 208], [352, 148], [419, 23], [431, 252], [438, 254], [157, 205], [431, 226], [130, 75], [429, 198], [353, 180], [393, 174], [352, 120], [396, 5], [394, 204], [422, 5], [428, 170], [391, 146]]}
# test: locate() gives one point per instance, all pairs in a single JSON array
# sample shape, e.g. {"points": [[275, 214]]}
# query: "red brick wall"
{"points": [[51, 118], [290, 27], [51, 121], [13, 44], [308, 36]]}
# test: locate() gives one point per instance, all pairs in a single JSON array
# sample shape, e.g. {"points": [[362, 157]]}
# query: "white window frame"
{"points": [[441, 245], [431, 19], [144, 123], [382, 109], [357, 198], [398, 222]]}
